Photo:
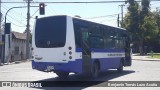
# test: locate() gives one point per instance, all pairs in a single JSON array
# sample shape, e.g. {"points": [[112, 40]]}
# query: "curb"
{"points": [[15, 62], [145, 60]]}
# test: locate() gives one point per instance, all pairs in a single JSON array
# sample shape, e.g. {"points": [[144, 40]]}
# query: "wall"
{"points": [[18, 49]]}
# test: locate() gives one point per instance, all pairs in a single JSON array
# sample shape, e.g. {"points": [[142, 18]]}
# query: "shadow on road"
{"points": [[79, 81]]}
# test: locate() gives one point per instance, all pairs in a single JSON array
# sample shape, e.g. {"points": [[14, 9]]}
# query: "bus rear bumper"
{"points": [[72, 66]]}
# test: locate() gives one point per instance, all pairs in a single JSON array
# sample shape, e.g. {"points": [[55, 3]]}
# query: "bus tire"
{"points": [[95, 70], [120, 68], [62, 74]]}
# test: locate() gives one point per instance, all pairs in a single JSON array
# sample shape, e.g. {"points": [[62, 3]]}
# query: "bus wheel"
{"points": [[62, 74], [95, 70], [120, 68]]}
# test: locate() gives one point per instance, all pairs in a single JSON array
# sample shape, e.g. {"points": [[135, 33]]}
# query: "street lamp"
{"points": [[15, 7], [5, 31], [11, 9], [5, 28]]}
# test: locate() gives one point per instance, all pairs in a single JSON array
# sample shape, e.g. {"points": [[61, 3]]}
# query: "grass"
{"points": [[155, 55]]}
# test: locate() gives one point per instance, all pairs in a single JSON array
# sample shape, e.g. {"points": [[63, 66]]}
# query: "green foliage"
{"points": [[149, 27], [141, 23], [131, 19], [157, 16]]}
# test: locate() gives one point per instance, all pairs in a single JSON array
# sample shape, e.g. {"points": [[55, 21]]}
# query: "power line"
{"points": [[77, 2], [34, 13], [113, 15], [15, 14], [15, 24], [51, 11], [120, 1], [106, 20], [13, 11], [14, 19]]}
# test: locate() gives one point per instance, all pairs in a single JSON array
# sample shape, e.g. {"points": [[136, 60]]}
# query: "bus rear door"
{"points": [[86, 52]]}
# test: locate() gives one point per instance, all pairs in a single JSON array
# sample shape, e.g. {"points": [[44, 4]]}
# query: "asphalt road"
{"points": [[139, 71]]}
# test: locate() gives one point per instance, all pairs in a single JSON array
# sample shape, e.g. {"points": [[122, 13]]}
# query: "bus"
{"points": [[63, 44]]}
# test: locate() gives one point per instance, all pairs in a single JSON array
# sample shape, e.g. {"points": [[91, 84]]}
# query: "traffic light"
{"points": [[41, 8]]}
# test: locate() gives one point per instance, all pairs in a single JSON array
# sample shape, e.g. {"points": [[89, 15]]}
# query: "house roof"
{"points": [[18, 35]]}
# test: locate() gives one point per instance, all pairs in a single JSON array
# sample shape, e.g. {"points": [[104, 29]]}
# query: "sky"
{"points": [[105, 13]]}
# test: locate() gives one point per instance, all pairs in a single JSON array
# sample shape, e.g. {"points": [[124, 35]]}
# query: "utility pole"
{"points": [[122, 13], [28, 30], [0, 33], [0, 20], [118, 21]]}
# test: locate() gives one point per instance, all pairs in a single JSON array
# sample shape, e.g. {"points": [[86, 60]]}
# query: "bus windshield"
{"points": [[50, 32]]}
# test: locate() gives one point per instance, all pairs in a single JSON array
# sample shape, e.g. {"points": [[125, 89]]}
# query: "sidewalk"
{"points": [[143, 58], [15, 62]]}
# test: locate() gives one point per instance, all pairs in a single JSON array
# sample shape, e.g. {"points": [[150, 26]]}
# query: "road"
{"points": [[139, 71]]}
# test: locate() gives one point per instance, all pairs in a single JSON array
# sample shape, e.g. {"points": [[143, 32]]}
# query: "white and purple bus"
{"points": [[65, 44]]}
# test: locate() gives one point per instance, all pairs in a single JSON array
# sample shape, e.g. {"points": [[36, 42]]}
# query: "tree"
{"points": [[141, 23], [131, 20], [143, 14], [156, 40], [149, 27], [157, 16]]}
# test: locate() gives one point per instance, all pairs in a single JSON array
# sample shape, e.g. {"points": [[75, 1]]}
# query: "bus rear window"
{"points": [[50, 32]]}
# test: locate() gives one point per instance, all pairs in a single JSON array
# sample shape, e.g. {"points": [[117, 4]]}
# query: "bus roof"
{"points": [[97, 23], [81, 19]]}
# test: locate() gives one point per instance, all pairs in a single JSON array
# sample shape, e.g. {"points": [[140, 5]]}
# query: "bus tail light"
{"points": [[70, 52], [32, 48], [70, 57], [70, 48]]}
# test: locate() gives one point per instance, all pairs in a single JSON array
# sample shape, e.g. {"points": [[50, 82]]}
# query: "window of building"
{"points": [[16, 50]]}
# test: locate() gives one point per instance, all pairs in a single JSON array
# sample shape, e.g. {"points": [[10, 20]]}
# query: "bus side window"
{"points": [[109, 38], [85, 36], [96, 42], [119, 40], [109, 43], [77, 35], [96, 31]]}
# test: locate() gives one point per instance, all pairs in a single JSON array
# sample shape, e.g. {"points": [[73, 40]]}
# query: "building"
{"points": [[18, 46]]}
